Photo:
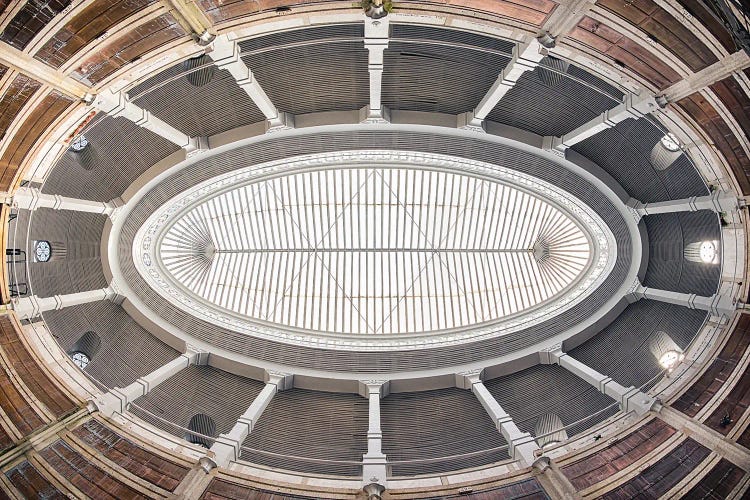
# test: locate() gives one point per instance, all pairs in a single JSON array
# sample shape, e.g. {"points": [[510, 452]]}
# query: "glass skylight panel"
{"points": [[375, 250]]}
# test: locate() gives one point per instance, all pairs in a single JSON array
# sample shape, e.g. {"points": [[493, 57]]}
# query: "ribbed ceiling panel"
{"points": [[529, 394], [625, 151], [302, 36], [311, 424], [122, 151], [309, 78], [436, 424], [127, 350], [450, 37], [76, 265], [443, 79], [215, 107], [629, 349], [549, 103], [674, 252], [198, 390]]}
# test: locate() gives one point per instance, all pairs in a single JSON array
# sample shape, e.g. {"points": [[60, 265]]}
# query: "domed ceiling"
{"points": [[379, 245]]}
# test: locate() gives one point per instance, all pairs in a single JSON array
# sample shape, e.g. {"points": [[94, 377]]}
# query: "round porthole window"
{"points": [[669, 359], [79, 143], [42, 251], [708, 251], [670, 142], [80, 359]]}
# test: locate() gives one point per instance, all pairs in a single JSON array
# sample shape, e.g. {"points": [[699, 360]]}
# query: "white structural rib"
{"points": [[375, 250], [376, 41]]}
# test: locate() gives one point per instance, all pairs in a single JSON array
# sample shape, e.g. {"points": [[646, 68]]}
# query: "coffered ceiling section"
{"points": [[375, 251]]}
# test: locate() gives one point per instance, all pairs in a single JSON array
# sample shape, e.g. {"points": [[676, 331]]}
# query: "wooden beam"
{"points": [[27, 65]]}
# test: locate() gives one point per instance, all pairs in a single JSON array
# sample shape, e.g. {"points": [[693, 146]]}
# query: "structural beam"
{"points": [[526, 57], [564, 19], [522, 446], [118, 399], [376, 41], [723, 68], [717, 304], [27, 65], [629, 398], [227, 447], [706, 436], [225, 53], [632, 107], [719, 201], [117, 104], [31, 198], [32, 306], [192, 19], [374, 461]]}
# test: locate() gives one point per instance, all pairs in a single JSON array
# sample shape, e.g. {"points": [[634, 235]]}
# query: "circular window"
{"points": [[708, 251], [80, 359], [42, 251], [669, 359], [670, 142], [79, 144]]}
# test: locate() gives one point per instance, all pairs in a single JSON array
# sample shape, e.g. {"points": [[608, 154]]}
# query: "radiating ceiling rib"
{"points": [[375, 250]]}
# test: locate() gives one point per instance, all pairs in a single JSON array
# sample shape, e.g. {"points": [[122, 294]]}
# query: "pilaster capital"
{"points": [[551, 355], [466, 379], [469, 121], [281, 380], [367, 387], [195, 355], [283, 121]]}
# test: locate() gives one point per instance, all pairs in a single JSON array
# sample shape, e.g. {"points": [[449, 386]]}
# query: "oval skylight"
{"points": [[373, 249]]}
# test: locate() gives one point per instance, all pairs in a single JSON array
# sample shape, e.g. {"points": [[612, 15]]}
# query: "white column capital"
{"points": [[369, 387], [282, 381], [551, 355], [466, 379]]}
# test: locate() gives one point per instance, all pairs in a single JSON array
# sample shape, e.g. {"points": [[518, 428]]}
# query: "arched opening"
{"points": [[552, 70], [549, 430], [202, 425], [201, 70]]}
